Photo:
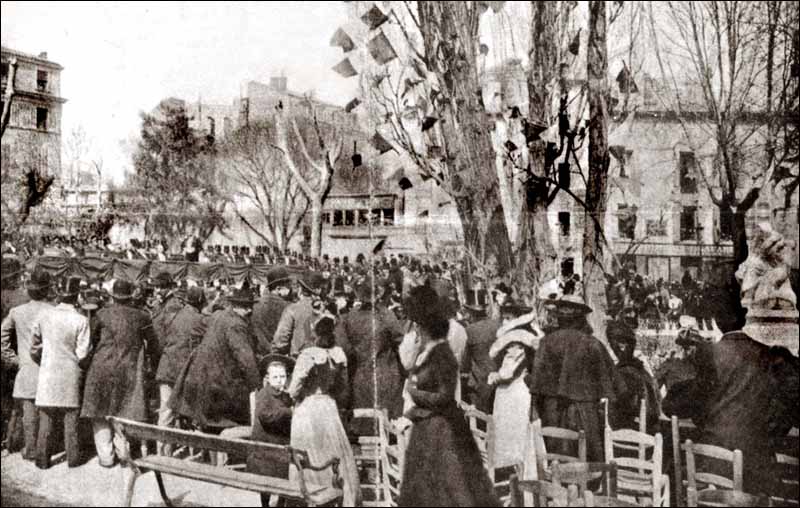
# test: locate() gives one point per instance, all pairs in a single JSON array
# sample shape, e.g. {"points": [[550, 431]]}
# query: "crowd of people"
{"points": [[386, 332]]}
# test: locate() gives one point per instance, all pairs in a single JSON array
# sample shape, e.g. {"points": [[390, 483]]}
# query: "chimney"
{"points": [[43, 55], [278, 84]]}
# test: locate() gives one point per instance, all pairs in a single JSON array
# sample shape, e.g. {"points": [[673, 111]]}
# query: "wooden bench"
{"points": [[312, 495]]}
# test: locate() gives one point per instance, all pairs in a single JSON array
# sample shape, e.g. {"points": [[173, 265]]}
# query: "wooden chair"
{"points": [[544, 493], [787, 471], [676, 425], [393, 450], [708, 479], [580, 473], [544, 458], [482, 427], [590, 500], [369, 457], [636, 476]]}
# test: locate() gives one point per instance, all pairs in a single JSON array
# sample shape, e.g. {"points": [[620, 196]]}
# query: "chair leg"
{"points": [[129, 484], [161, 489]]}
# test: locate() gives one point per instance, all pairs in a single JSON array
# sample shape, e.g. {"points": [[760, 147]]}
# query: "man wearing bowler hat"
{"points": [[182, 335], [213, 388], [294, 327], [268, 310], [19, 323], [60, 343]]}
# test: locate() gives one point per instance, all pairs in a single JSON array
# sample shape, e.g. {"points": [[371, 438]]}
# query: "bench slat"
{"points": [[232, 478], [147, 432]]}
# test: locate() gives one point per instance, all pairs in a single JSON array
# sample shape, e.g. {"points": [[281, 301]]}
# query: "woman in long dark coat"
{"points": [[442, 464], [115, 382]]}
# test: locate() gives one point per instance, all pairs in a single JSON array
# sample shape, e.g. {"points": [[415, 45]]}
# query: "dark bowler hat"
{"points": [[515, 308], [122, 290], [278, 276], [242, 298], [195, 296], [70, 288], [40, 279], [313, 282]]}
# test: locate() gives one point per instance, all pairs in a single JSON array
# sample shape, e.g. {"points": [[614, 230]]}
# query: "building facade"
{"points": [[32, 139]]}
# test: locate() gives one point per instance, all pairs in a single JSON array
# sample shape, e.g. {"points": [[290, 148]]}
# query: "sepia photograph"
{"points": [[400, 253]]}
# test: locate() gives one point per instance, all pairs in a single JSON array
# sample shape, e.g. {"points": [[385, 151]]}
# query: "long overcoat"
{"points": [[60, 342], [182, 334], [480, 337], [264, 321], [214, 386], [116, 381], [370, 341]]}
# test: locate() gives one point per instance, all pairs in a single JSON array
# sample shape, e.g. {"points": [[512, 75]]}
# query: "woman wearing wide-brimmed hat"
{"points": [[513, 353], [572, 372], [443, 466], [115, 381]]}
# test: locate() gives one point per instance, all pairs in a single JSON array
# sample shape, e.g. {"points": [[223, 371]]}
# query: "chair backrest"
{"points": [[643, 476], [393, 448], [252, 408], [370, 456], [580, 473], [482, 427], [693, 475], [544, 493], [557, 438], [787, 488], [677, 425]]}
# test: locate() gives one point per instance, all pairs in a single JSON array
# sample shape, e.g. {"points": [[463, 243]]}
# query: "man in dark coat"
{"points": [[213, 388], [273, 415], [370, 339], [480, 337], [729, 400], [116, 383], [572, 373], [180, 336], [267, 311]]}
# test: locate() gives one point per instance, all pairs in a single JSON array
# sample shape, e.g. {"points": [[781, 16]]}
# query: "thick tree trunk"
{"points": [[537, 261], [316, 226], [739, 237], [593, 240], [450, 32]]}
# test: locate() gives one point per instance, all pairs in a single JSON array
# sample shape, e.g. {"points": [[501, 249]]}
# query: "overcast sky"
{"points": [[123, 58]]}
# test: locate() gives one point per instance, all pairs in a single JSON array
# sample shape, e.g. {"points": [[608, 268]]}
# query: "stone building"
{"points": [[32, 140]]}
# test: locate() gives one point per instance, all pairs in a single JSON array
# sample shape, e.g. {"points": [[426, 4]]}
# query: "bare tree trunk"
{"points": [[593, 240], [316, 225], [537, 261], [450, 34]]}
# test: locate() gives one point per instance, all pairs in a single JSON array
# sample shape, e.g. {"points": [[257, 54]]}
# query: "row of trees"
{"points": [[502, 176]]}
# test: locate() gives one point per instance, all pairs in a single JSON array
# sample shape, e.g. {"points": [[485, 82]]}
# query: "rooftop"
{"points": [[41, 59]]}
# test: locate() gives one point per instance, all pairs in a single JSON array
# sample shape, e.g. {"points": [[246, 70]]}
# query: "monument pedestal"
{"points": [[774, 328]]}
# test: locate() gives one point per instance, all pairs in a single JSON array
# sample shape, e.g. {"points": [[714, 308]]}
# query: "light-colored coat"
{"points": [[61, 340], [20, 322]]}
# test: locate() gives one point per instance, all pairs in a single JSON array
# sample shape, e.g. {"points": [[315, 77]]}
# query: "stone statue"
{"points": [[764, 277]]}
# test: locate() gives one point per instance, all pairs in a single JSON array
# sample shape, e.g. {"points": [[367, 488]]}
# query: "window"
{"points": [[388, 216], [338, 218], [725, 224], [4, 70], [41, 81], [349, 217], [326, 217], [689, 223], [688, 170], [363, 217], [656, 227], [626, 221], [564, 223], [41, 119]]}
